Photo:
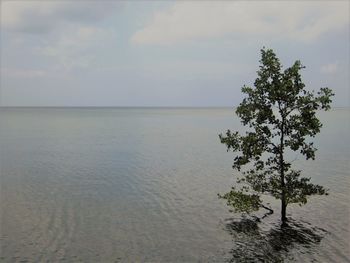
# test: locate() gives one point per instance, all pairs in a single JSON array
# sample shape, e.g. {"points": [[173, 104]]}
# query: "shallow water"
{"points": [[135, 184]]}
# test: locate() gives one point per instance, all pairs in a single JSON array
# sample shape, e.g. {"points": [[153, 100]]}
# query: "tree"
{"points": [[281, 116]]}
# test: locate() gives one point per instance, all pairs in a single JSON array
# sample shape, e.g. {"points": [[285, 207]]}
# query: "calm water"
{"points": [[125, 185]]}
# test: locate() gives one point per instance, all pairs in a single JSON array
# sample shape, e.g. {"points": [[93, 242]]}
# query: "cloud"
{"points": [[330, 68], [22, 73], [77, 47], [68, 34], [193, 20], [38, 17]]}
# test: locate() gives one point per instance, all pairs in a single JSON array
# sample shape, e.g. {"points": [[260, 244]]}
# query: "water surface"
{"points": [[141, 184]]}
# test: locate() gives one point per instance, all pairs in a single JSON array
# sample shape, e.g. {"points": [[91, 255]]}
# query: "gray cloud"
{"points": [[38, 17]]}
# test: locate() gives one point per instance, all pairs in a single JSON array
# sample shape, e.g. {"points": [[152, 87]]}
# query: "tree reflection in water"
{"points": [[253, 244]]}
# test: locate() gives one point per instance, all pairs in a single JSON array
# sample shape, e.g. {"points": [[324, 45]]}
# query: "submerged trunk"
{"points": [[283, 197], [283, 212]]}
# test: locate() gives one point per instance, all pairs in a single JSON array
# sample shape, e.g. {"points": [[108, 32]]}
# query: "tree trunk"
{"points": [[283, 185], [283, 211]]}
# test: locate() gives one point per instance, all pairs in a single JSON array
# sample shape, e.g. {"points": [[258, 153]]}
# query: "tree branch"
{"points": [[267, 208]]}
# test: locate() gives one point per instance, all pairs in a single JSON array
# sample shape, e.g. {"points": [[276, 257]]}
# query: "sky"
{"points": [[164, 53]]}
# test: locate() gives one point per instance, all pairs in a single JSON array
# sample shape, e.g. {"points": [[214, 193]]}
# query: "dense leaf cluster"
{"points": [[280, 115]]}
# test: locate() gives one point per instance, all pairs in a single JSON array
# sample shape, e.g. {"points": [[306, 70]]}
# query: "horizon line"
{"points": [[117, 106], [143, 107]]}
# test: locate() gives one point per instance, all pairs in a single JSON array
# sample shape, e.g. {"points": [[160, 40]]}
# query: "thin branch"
{"points": [[268, 213]]}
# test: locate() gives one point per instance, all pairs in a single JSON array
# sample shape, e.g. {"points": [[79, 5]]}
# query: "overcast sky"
{"points": [[144, 53]]}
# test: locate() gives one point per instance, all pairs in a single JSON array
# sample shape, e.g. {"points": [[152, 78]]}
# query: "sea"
{"points": [[142, 184]]}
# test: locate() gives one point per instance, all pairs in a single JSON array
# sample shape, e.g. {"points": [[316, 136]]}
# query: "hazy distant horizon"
{"points": [[146, 107]]}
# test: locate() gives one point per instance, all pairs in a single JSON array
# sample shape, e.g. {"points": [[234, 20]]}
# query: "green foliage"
{"points": [[242, 202], [280, 115]]}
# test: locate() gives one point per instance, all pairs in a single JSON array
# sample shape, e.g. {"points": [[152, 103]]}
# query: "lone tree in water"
{"points": [[280, 115]]}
